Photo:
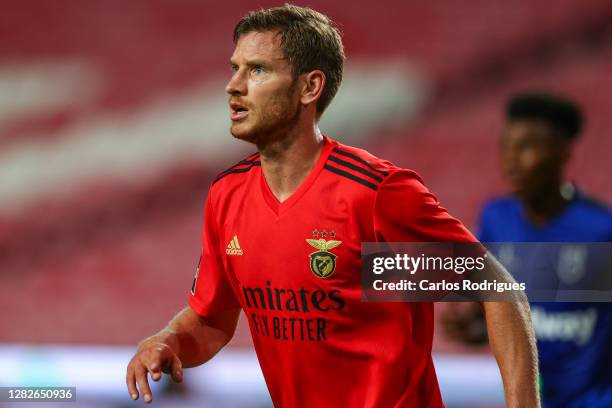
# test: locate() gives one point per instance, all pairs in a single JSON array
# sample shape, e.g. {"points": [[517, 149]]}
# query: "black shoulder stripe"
{"points": [[248, 160], [234, 170], [359, 159], [351, 176], [355, 167]]}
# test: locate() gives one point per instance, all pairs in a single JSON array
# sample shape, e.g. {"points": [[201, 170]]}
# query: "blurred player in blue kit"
{"points": [[574, 339]]}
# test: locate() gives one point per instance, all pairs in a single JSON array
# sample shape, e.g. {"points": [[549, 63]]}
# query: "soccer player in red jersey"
{"points": [[282, 241]]}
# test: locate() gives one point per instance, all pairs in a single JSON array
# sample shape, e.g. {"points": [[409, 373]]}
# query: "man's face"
{"points": [[532, 156], [263, 100]]}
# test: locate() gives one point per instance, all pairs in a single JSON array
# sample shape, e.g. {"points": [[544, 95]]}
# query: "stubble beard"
{"points": [[272, 123]]}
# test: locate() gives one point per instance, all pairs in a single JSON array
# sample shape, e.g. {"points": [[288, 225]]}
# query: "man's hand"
{"points": [[188, 341], [152, 357]]}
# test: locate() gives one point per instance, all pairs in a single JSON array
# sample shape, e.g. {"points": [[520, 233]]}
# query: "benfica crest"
{"points": [[323, 262]]}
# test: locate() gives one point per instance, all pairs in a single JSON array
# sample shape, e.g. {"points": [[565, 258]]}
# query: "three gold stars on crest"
{"points": [[323, 233]]}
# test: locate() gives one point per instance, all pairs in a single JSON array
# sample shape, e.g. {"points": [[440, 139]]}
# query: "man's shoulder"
{"points": [[357, 170], [236, 174], [365, 163], [363, 157], [595, 213], [593, 206], [500, 206]]}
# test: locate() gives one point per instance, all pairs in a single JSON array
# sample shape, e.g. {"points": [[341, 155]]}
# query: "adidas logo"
{"points": [[233, 248]]}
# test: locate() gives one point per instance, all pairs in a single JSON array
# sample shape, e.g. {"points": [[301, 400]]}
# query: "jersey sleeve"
{"points": [[405, 211], [211, 291]]}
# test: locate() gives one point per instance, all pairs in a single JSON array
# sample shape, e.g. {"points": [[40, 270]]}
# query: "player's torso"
{"points": [[295, 265], [295, 268]]}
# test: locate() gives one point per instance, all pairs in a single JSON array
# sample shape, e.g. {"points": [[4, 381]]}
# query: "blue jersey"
{"points": [[574, 339]]}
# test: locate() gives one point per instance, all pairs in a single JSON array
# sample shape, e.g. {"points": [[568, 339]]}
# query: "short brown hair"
{"points": [[310, 41]]}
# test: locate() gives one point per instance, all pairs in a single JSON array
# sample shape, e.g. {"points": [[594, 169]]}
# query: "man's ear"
{"points": [[313, 83]]}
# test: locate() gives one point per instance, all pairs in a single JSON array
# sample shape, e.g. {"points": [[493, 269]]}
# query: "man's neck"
{"points": [[287, 163], [545, 206]]}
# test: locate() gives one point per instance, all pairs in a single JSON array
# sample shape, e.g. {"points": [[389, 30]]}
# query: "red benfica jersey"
{"points": [[294, 268]]}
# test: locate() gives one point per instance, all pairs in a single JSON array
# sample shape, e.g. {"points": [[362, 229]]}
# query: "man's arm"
{"points": [[513, 343], [187, 341], [406, 211], [507, 319], [512, 340]]}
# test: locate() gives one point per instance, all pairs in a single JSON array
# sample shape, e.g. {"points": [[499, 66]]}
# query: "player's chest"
{"points": [[308, 245]]}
